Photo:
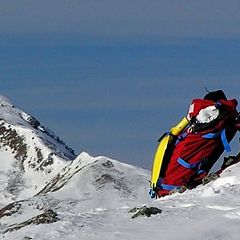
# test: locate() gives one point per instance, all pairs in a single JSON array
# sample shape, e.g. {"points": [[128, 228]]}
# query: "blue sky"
{"points": [[110, 77]]}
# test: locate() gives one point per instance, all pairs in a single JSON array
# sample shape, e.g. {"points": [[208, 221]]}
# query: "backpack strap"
{"points": [[225, 141], [186, 164], [169, 187], [223, 136], [196, 166]]}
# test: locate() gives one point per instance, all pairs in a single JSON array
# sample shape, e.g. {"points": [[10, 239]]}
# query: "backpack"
{"points": [[193, 153]]}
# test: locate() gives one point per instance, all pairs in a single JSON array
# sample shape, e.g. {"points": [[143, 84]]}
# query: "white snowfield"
{"points": [[92, 196]]}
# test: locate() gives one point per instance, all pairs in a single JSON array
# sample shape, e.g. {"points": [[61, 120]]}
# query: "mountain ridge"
{"points": [[39, 172], [27, 149]]}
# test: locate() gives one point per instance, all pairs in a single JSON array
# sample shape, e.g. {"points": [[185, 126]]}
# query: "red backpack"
{"points": [[212, 126]]}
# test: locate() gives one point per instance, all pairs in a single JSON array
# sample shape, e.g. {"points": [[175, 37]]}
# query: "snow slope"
{"points": [[80, 192], [207, 212]]}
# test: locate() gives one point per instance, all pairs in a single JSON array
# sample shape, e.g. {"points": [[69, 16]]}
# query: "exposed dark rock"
{"points": [[33, 122], [10, 209], [9, 137], [145, 211], [70, 156], [209, 178], [39, 155], [27, 238], [108, 164], [47, 217]]}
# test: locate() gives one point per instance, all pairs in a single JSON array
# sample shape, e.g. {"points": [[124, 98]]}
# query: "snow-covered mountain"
{"points": [[40, 173], [89, 198], [209, 212], [87, 184], [30, 154]]}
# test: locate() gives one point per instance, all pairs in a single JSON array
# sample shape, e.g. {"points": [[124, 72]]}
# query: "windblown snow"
{"points": [[47, 192]]}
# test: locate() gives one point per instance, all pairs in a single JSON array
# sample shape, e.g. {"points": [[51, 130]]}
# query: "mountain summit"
{"points": [[39, 174], [30, 154]]}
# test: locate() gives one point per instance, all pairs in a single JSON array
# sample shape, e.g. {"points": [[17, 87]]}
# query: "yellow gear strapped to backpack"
{"points": [[161, 149]]}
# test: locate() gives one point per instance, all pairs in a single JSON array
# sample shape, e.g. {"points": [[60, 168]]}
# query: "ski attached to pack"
{"points": [[160, 155]]}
